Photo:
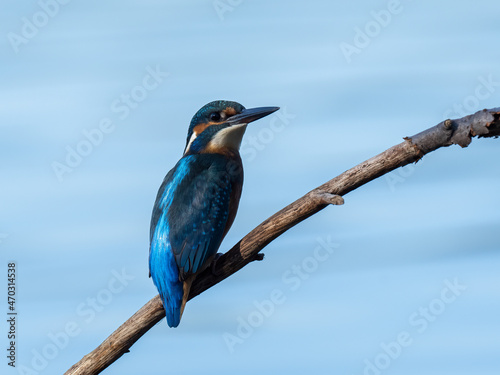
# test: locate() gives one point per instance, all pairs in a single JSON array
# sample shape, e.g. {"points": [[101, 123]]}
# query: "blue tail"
{"points": [[166, 278]]}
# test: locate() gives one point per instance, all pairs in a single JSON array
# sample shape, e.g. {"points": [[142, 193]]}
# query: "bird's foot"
{"points": [[214, 263], [259, 256]]}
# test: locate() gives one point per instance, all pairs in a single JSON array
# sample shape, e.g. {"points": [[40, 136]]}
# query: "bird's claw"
{"points": [[259, 256]]}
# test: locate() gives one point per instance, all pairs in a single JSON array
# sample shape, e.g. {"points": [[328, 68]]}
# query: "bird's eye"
{"points": [[215, 116]]}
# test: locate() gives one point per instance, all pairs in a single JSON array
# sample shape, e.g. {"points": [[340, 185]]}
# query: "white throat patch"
{"points": [[226, 138], [229, 137]]}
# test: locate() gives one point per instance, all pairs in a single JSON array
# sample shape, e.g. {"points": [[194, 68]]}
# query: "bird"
{"points": [[197, 202]]}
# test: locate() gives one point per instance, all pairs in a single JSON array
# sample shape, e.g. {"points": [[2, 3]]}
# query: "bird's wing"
{"points": [[196, 215], [199, 220]]}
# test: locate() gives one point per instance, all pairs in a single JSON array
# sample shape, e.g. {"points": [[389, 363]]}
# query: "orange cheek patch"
{"points": [[198, 129], [230, 111]]}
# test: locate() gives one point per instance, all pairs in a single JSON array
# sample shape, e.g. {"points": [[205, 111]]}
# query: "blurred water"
{"points": [[400, 238]]}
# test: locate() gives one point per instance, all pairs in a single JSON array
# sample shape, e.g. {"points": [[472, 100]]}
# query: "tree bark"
{"points": [[485, 123]]}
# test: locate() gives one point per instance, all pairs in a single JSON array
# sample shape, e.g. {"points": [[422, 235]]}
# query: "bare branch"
{"points": [[485, 123]]}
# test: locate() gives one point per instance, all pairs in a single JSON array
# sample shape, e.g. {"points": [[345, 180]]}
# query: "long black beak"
{"points": [[252, 114]]}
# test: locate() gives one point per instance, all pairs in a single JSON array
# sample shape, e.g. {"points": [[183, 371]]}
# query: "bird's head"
{"points": [[219, 126]]}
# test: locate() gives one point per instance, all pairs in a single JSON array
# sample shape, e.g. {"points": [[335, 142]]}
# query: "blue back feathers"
{"points": [[162, 266]]}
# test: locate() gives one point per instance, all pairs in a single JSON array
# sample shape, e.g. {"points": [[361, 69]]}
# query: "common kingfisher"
{"points": [[197, 201]]}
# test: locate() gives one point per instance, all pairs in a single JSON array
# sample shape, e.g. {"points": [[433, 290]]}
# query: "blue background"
{"points": [[398, 240]]}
